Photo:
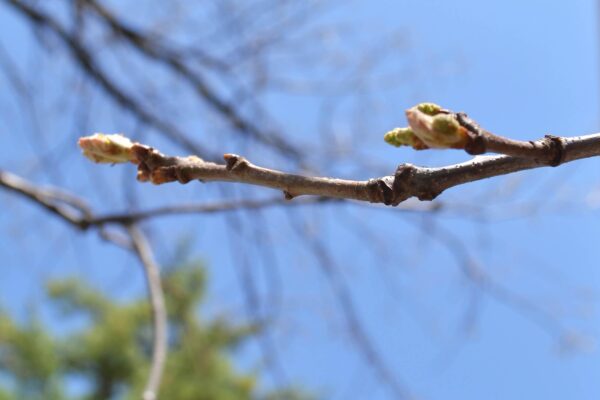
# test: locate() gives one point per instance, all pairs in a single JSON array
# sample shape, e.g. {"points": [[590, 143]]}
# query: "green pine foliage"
{"points": [[111, 355]]}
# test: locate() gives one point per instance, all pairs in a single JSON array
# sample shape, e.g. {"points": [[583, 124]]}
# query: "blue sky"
{"points": [[522, 69]]}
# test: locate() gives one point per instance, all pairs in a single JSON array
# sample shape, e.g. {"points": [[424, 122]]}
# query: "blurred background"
{"points": [[490, 291]]}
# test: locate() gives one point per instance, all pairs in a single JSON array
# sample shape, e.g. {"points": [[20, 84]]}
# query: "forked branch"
{"points": [[408, 180]]}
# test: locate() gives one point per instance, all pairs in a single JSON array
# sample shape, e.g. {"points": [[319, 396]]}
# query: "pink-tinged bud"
{"points": [[101, 148], [437, 131], [421, 125]]}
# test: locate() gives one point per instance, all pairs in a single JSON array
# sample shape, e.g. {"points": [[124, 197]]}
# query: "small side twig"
{"points": [[201, 208], [549, 150], [85, 59], [62, 204], [434, 127], [143, 251], [76, 212], [355, 326]]}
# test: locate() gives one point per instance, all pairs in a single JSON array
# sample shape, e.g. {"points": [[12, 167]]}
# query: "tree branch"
{"points": [[86, 61], [408, 181], [355, 326], [143, 251], [431, 126], [64, 205], [202, 208], [157, 51], [76, 212], [550, 149]]}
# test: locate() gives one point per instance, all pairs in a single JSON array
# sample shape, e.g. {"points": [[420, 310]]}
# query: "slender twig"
{"points": [[62, 204], [77, 213], [143, 251], [85, 59], [549, 150], [491, 287], [75, 210], [408, 181], [431, 126], [203, 208], [355, 326], [158, 52]]}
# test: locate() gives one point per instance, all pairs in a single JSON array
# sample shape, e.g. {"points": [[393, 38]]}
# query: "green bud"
{"points": [[445, 125], [448, 131], [429, 108], [400, 137]]}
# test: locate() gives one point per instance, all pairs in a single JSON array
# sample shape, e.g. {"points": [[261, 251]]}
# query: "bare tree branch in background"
{"points": [[212, 100], [143, 251], [159, 52], [358, 334], [74, 211], [87, 62]]}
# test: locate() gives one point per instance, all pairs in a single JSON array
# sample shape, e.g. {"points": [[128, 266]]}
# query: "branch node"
{"points": [[234, 163], [161, 175], [183, 175], [558, 148], [402, 186], [391, 191], [153, 166], [380, 190], [476, 143], [287, 195], [406, 186], [145, 154], [84, 224]]}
